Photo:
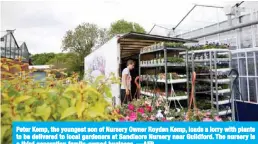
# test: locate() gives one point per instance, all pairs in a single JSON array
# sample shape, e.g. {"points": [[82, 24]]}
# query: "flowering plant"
{"points": [[145, 109], [202, 115], [156, 109]]}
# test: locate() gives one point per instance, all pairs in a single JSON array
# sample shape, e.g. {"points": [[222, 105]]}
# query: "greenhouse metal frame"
{"points": [[11, 49]]}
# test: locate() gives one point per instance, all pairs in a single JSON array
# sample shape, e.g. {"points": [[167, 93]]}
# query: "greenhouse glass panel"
{"points": [[234, 64], [2, 51], [12, 48], [8, 39], [20, 51], [246, 37], [250, 62], [201, 41], [256, 58], [2, 44], [228, 38], [212, 38], [241, 55], [252, 90], [8, 46], [3, 40], [24, 53], [256, 35], [242, 66], [234, 56], [243, 88], [237, 96]]}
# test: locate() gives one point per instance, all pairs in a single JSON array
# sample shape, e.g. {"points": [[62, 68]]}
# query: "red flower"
{"points": [[140, 110], [149, 109], [164, 119], [121, 119], [130, 107], [124, 119]]}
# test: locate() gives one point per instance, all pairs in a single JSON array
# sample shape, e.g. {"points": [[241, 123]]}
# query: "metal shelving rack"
{"points": [[211, 60], [165, 64]]}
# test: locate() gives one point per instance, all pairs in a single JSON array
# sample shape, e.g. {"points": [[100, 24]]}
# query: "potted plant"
{"points": [[156, 61], [174, 45], [175, 75], [157, 46]]}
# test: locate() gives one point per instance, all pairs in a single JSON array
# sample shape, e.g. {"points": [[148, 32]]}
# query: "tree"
{"points": [[81, 40], [41, 59], [122, 26]]}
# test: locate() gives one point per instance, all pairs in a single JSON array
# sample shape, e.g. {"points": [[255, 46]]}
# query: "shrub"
{"points": [[65, 99]]}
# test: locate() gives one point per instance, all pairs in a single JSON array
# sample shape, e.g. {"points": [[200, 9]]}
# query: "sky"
{"points": [[43, 24]]}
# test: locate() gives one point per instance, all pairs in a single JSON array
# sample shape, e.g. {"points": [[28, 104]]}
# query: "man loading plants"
{"points": [[126, 82]]}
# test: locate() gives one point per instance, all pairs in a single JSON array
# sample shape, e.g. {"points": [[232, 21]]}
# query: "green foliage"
{"points": [[63, 99], [175, 60], [222, 56], [174, 45], [68, 61], [180, 93], [42, 59], [122, 26], [209, 46], [64, 61], [80, 42]]}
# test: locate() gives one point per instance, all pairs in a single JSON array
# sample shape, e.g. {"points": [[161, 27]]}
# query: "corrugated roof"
{"points": [[143, 36]]}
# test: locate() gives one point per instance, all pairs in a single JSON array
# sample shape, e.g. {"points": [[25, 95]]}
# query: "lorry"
{"points": [[112, 56]]}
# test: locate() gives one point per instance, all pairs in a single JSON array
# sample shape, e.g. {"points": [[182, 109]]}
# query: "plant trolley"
{"points": [[164, 73], [212, 67]]}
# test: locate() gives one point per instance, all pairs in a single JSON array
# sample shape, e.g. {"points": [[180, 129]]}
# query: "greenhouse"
{"points": [[242, 36], [11, 49], [239, 31]]}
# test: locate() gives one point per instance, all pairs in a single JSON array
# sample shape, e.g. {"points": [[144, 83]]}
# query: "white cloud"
{"points": [[43, 24]]}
